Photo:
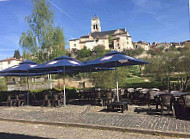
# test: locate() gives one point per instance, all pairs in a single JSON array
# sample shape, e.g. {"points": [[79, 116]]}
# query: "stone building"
{"points": [[118, 39], [142, 44], [9, 62]]}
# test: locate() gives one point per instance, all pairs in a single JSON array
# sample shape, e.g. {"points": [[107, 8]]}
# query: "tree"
{"points": [[134, 52], [42, 40], [163, 67], [17, 54], [99, 50], [107, 79], [83, 53]]}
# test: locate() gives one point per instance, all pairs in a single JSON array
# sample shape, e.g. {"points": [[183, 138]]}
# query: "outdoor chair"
{"points": [[166, 100], [98, 98], [20, 98], [86, 95], [108, 97], [155, 89], [184, 102], [121, 93], [129, 92], [47, 100], [61, 97], [151, 100], [9, 101], [56, 101], [136, 96]]}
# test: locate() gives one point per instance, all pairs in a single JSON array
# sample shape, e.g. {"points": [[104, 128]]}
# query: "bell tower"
{"points": [[95, 24]]}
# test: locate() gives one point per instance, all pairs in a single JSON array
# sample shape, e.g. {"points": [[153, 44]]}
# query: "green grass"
{"points": [[2, 84], [135, 79], [144, 82]]}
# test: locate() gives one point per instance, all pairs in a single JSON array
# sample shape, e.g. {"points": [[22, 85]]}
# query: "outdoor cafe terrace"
{"points": [[138, 109]]}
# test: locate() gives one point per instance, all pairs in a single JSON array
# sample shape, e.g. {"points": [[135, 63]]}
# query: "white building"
{"points": [[142, 44], [9, 62], [118, 39]]}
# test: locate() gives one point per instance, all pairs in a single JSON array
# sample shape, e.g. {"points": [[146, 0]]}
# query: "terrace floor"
{"points": [[136, 118]]}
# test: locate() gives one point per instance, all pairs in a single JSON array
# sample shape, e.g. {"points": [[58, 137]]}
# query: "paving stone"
{"points": [[75, 114]]}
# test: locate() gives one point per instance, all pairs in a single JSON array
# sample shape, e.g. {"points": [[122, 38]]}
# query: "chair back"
{"points": [[109, 95], [166, 99], [98, 94], [144, 91], [130, 90], [187, 100], [55, 96], [46, 96], [122, 92], [151, 94]]}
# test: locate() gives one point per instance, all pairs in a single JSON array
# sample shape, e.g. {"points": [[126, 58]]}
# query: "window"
{"points": [[9, 62], [74, 45], [94, 26]]}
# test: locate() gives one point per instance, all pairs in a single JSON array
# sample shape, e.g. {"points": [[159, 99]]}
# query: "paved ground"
{"points": [[136, 118], [22, 131]]}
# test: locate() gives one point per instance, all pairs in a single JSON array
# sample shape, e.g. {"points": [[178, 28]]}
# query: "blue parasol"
{"points": [[115, 59], [63, 63]]}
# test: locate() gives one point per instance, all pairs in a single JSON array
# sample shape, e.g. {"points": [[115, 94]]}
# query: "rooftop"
{"points": [[10, 59], [104, 33]]}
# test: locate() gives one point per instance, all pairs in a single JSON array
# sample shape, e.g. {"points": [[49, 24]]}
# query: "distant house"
{"points": [[142, 44], [9, 62], [177, 44], [118, 39]]}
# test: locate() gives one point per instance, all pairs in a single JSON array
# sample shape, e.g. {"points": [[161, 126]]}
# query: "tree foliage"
{"points": [[42, 40], [17, 54], [83, 53], [170, 64]]}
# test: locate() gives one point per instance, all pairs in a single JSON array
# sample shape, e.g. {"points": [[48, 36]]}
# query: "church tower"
{"points": [[95, 24]]}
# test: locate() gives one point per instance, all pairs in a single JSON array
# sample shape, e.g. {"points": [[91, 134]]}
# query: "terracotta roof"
{"points": [[9, 59], [73, 39], [86, 36], [104, 33]]}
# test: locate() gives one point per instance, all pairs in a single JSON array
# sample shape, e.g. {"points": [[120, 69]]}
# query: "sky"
{"points": [[146, 20]]}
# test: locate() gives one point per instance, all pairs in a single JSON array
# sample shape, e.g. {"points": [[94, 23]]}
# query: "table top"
{"points": [[176, 94], [119, 103]]}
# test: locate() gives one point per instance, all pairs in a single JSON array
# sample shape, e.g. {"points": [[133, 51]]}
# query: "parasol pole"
{"points": [[64, 103], [28, 88], [50, 79], [20, 84], [116, 78], [90, 76]]}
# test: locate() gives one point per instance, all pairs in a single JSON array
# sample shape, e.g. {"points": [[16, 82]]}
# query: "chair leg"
{"points": [[162, 109]]}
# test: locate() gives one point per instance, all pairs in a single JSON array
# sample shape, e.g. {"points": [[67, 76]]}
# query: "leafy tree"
{"points": [[42, 40], [162, 67], [83, 53], [183, 63], [99, 50], [134, 52], [17, 54], [107, 79]]}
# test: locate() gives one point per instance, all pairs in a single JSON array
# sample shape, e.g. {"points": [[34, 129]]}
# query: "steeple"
{"points": [[95, 24]]}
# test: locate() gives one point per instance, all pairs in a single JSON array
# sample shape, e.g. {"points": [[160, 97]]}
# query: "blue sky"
{"points": [[147, 20]]}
